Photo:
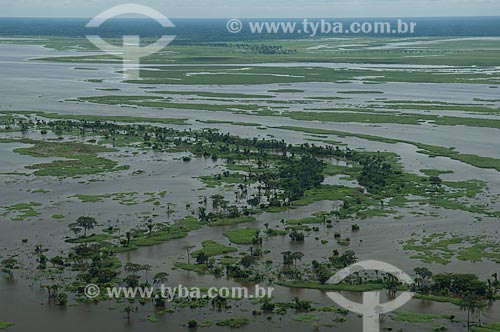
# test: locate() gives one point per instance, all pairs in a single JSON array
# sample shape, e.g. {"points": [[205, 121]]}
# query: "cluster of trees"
{"points": [[253, 48], [473, 294], [413, 51], [93, 263], [133, 270], [284, 173], [8, 265], [455, 284], [297, 304], [84, 224], [237, 272], [296, 236], [377, 173], [296, 176], [10, 123], [323, 271], [262, 49], [292, 258], [221, 208]]}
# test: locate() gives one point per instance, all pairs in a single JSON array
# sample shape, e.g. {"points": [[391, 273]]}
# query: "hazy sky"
{"points": [[258, 8]]}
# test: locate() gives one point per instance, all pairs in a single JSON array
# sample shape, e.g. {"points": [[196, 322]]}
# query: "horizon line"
{"points": [[259, 18]]}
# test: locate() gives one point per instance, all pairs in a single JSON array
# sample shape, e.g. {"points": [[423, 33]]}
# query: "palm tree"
{"points": [[495, 279], [202, 213], [472, 303], [296, 256], [150, 226], [188, 249], [160, 278], [8, 265], [128, 309], [219, 302], [128, 235], [52, 291], [132, 268], [146, 268], [286, 257], [87, 223], [424, 275]]}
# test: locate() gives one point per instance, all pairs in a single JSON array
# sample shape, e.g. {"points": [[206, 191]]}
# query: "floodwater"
{"points": [[42, 86]]}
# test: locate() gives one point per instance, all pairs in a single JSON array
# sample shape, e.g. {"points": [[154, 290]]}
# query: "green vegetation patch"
{"points": [[493, 327], [228, 260], [118, 118], [435, 172], [307, 318], [212, 248], [44, 149], [332, 170], [108, 89], [200, 268], [410, 119], [328, 98], [305, 221], [235, 322], [92, 238], [356, 92], [403, 316], [91, 198], [218, 180], [214, 94], [442, 248], [40, 191], [89, 117], [164, 103], [122, 198], [232, 221], [190, 223], [430, 150], [367, 287], [81, 166], [161, 233], [21, 211], [235, 123], [242, 235], [440, 106], [436, 298], [287, 91], [356, 202], [83, 159], [5, 325]]}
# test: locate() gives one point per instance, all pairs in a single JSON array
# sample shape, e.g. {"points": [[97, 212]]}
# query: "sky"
{"points": [[258, 8]]}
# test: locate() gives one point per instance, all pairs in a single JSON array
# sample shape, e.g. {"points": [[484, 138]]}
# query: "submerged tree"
{"points": [[86, 223], [473, 304], [8, 265], [188, 249]]}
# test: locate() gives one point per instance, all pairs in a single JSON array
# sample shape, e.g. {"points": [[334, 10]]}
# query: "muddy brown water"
{"points": [[23, 302]]}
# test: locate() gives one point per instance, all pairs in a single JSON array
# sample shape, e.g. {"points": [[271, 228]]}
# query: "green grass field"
{"points": [[242, 235]]}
